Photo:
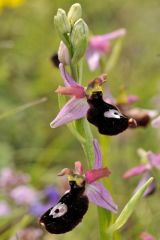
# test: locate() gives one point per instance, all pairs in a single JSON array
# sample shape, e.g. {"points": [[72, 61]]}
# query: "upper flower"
{"points": [[94, 190], [82, 101], [100, 45]]}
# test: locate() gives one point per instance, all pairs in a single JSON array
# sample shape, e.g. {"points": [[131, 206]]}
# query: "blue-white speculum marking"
{"points": [[106, 117]]}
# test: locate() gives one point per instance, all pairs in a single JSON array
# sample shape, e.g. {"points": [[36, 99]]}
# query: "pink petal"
{"points": [[95, 174], [100, 41], [99, 195], [98, 155], [99, 44], [156, 122], [109, 36], [137, 170], [146, 236], [93, 58], [151, 188], [154, 159], [76, 91], [68, 80], [72, 110]]}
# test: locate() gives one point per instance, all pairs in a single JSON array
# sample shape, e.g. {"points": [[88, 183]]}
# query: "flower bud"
{"points": [[63, 54], [61, 22], [75, 13], [79, 37]]}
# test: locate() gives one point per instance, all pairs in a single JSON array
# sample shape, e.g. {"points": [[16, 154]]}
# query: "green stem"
{"points": [[82, 125], [75, 72], [105, 217], [84, 130]]}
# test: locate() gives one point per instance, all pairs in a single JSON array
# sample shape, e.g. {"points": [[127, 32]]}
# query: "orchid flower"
{"points": [[94, 190], [153, 161], [146, 236], [77, 107], [99, 45]]}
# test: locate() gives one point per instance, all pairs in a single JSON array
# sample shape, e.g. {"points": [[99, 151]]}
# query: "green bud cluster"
{"points": [[73, 31]]}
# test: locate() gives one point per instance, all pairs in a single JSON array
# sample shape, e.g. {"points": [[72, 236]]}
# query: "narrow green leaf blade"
{"points": [[130, 207]]}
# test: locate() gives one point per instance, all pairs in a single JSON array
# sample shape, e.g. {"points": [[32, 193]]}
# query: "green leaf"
{"points": [[130, 207]]}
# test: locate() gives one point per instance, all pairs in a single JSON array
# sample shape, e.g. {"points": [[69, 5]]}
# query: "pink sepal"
{"points": [[76, 91], [95, 174]]}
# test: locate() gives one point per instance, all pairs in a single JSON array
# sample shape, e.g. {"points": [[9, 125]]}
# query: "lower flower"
{"points": [[73, 205]]}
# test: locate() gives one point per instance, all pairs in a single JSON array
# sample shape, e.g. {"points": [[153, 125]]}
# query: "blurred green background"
{"points": [[27, 41]]}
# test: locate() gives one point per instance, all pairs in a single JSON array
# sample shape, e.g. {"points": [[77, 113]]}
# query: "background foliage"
{"points": [[27, 41]]}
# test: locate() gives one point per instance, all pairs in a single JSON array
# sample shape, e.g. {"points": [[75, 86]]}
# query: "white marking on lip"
{"points": [[59, 210], [113, 113]]}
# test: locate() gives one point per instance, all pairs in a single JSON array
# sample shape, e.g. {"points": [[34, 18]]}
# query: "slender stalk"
{"points": [[83, 128], [82, 125]]}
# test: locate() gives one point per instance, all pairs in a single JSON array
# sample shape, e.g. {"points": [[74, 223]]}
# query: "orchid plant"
{"points": [[74, 48]]}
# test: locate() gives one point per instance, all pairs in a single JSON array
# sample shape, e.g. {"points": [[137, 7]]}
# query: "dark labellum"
{"points": [[106, 117], [68, 212], [55, 60]]}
